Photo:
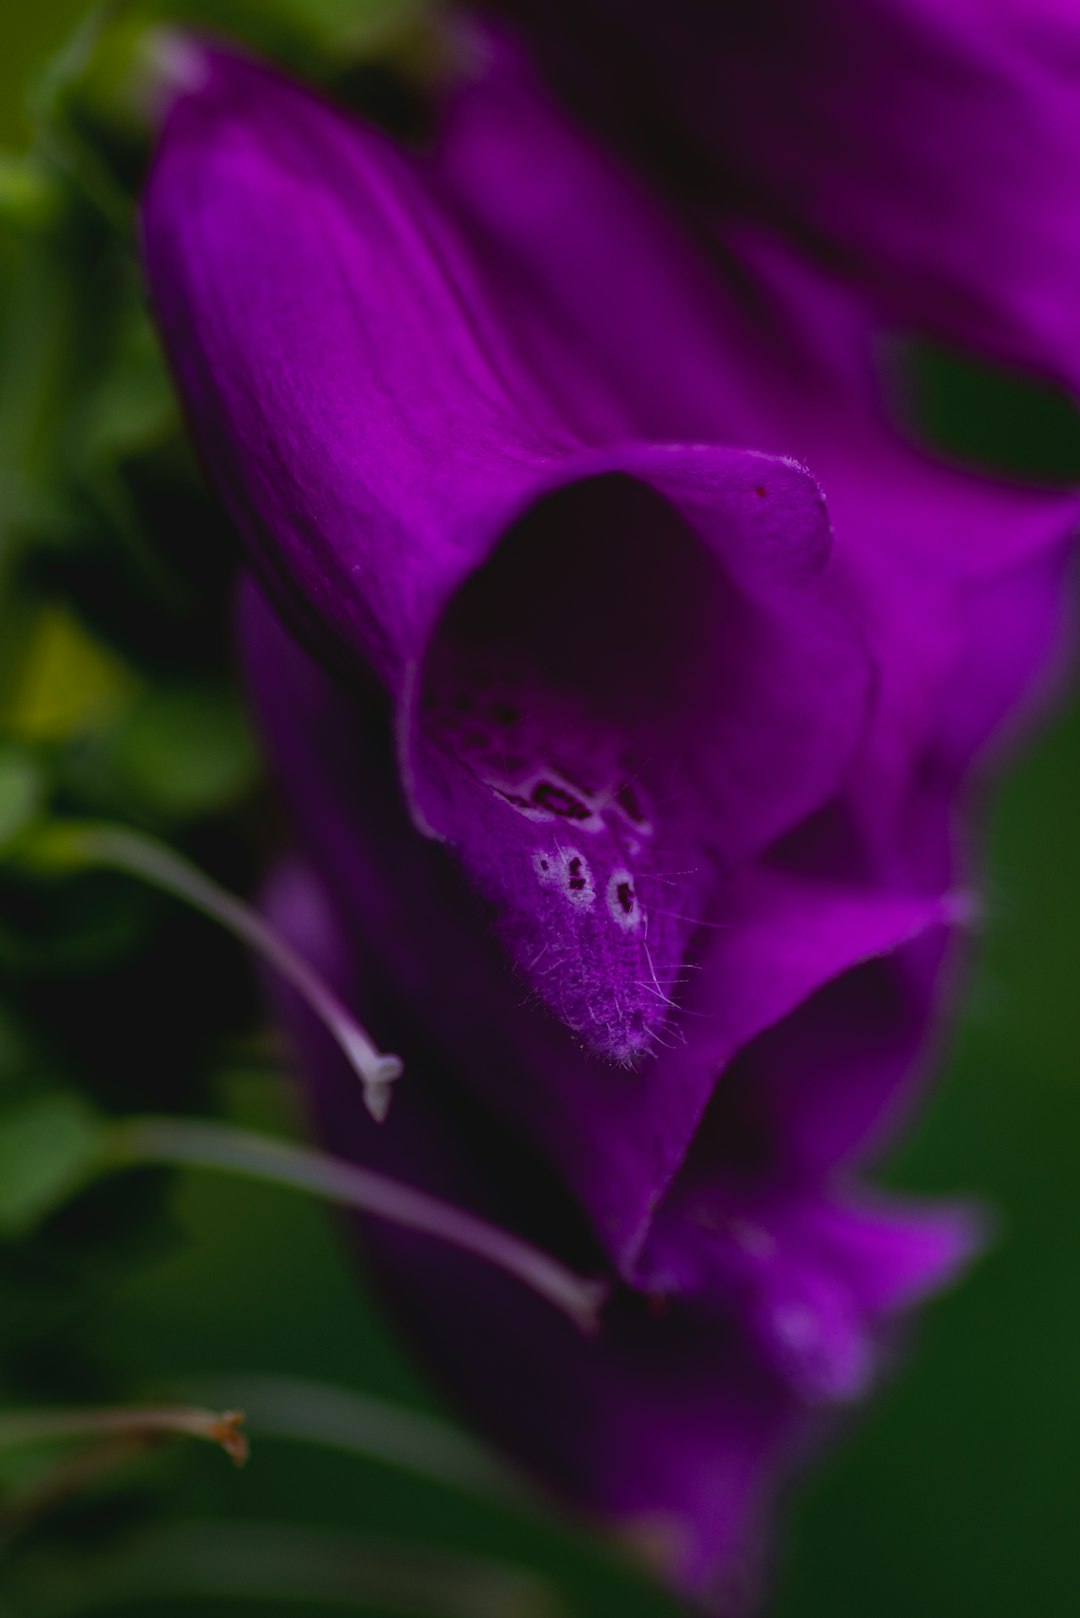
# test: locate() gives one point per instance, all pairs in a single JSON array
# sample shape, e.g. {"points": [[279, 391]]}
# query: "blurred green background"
{"points": [[955, 1493]]}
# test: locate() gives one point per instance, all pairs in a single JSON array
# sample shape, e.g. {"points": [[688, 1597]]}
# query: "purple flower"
{"points": [[622, 794], [926, 150], [760, 1300]]}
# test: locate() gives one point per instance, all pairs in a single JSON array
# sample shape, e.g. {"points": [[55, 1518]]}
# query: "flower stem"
{"points": [[292, 1408], [220, 1427], [76, 843], [313, 1569], [197, 1144]]}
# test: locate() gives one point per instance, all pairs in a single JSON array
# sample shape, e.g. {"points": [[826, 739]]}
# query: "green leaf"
{"points": [[321, 31], [29, 198], [185, 750], [49, 1148], [133, 403], [68, 683], [321, 1568], [30, 34], [18, 1053], [344, 26], [22, 793]]}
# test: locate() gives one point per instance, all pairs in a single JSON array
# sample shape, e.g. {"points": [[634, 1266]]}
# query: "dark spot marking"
{"points": [[760, 491], [504, 713], [624, 893], [557, 801], [576, 881]]}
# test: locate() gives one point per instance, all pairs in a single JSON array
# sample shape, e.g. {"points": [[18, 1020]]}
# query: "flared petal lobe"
{"points": [[756, 1305]]}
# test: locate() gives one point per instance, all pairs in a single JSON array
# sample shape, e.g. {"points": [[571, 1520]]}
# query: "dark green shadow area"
{"points": [[956, 1493], [983, 416]]}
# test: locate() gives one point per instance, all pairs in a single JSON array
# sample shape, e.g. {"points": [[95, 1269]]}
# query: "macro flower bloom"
{"points": [[622, 787]]}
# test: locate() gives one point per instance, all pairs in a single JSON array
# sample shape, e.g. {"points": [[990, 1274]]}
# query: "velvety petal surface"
{"points": [[929, 150], [333, 348], [814, 1274]]}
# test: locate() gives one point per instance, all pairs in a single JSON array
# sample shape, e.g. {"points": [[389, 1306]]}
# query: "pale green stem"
{"points": [[282, 1561], [196, 1144], [285, 1407], [221, 1427], [119, 848]]}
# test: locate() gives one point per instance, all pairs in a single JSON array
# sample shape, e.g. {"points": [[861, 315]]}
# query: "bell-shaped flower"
{"points": [[622, 789], [957, 576], [617, 666]]}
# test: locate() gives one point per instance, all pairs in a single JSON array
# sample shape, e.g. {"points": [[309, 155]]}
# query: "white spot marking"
{"points": [[546, 867], [623, 905], [575, 875]]}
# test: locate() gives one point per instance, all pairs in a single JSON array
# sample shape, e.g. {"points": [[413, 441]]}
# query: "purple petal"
{"points": [[755, 1302], [773, 939], [618, 668], [671, 1427], [928, 149], [835, 1079], [778, 352], [331, 345], [815, 1277], [638, 702]]}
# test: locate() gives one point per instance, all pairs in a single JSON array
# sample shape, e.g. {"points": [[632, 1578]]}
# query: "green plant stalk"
{"points": [[78, 845], [190, 1143]]}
